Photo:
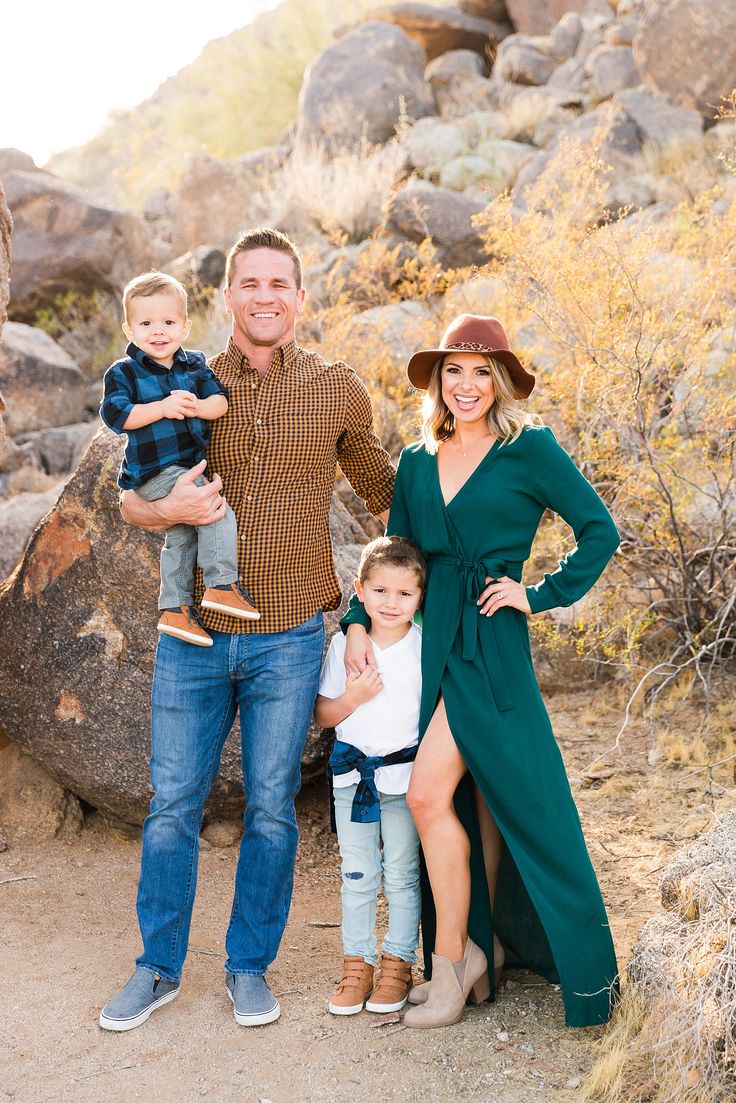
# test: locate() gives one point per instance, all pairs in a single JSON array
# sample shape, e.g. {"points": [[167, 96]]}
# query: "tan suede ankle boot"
{"points": [[446, 1001], [420, 992]]}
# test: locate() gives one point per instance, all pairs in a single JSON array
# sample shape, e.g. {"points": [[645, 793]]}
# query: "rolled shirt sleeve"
{"points": [[366, 465]]}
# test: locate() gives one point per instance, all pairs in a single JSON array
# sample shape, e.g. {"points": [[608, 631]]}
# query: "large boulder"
{"points": [[611, 69], [33, 807], [698, 66], [520, 61], [66, 239], [360, 86], [41, 383], [6, 228], [11, 159], [439, 30], [431, 143], [420, 210], [540, 16], [78, 621], [199, 270], [19, 515], [660, 122], [58, 449], [216, 205], [486, 9]]}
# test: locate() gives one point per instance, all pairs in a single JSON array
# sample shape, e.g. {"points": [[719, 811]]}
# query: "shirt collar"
{"points": [[145, 361], [284, 356]]}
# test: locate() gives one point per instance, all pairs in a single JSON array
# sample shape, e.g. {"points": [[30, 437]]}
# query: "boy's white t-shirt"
{"points": [[390, 720]]}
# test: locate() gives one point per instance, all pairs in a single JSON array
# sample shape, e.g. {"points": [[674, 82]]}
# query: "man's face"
{"points": [[263, 298]]}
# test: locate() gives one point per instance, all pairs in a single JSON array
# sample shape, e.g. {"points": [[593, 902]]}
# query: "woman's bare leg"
{"points": [[437, 771], [492, 842]]}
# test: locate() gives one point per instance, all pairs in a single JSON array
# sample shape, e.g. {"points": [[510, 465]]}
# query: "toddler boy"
{"points": [[163, 397], [376, 717]]}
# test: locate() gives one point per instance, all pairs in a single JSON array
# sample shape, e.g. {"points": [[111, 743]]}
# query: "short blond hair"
{"points": [[506, 417], [153, 283]]}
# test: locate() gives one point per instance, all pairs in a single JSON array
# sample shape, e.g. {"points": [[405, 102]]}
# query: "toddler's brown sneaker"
{"points": [[185, 625], [393, 986], [233, 601], [354, 987]]}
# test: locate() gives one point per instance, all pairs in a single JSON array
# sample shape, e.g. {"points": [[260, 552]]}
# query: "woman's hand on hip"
{"points": [[501, 592]]}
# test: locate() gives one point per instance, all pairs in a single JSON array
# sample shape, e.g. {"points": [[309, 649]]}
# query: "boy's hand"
{"points": [[364, 686], [179, 404]]}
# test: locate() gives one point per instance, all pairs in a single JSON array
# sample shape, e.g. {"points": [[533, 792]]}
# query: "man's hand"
{"points": [[362, 687], [187, 504], [179, 404], [358, 650]]}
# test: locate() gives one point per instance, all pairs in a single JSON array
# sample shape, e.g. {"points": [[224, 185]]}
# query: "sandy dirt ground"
{"points": [[68, 938]]}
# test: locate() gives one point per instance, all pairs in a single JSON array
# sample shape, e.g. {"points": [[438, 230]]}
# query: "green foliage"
{"points": [[87, 327]]}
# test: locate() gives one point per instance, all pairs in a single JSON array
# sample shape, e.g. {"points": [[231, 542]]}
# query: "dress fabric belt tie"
{"points": [[345, 758], [475, 574]]}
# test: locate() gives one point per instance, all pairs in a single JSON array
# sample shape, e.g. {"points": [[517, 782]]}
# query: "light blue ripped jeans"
{"points": [[365, 863]]}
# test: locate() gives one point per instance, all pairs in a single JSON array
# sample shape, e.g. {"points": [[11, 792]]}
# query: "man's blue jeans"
{"points": [[273, 678]]}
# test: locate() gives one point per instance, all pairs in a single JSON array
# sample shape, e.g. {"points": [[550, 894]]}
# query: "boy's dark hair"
{"points": [[264, 238], [393, 551]]}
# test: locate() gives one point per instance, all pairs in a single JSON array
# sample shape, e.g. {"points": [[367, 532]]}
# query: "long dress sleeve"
{"points": [[399, 524], [558, 485]]}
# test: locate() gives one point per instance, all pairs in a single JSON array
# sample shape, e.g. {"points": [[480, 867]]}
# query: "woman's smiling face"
{"points": [[467, 386]]}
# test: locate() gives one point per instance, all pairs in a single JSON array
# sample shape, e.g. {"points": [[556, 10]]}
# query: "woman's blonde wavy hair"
{"points": [[506, 417]]}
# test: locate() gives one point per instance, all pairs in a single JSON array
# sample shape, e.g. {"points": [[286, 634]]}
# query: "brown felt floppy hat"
{"points": [[471, 333]]}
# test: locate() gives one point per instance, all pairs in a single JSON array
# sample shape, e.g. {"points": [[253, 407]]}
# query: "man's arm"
{"points": [[211, 408], [187, 504], [366, 465]]}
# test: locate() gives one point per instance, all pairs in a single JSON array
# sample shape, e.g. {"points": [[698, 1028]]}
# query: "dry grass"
{"points": [[673, 1036], [344, 193]]}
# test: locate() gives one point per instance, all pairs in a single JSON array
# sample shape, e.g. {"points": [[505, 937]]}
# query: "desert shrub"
{"points": [[87, 327], [343, 193], [630, 324]]}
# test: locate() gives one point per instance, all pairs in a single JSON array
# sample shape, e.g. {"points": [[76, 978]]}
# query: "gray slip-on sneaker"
{"points": [[144, 993], [254, 1004]]}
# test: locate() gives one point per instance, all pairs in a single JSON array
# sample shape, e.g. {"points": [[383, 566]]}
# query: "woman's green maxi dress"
{"points": [[548, 914]]}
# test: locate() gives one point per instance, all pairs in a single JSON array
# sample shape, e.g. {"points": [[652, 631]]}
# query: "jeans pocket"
{"points": [[308, 627]]}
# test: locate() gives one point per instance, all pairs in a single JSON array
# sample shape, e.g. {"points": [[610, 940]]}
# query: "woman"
{"points": [[500, 833]]}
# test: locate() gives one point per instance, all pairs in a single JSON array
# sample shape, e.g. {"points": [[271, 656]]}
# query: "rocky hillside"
{"points": [[534, 159], [240, 93]]}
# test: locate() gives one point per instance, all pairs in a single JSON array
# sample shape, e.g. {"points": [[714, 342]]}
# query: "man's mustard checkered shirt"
{"points": [[276, 451]]}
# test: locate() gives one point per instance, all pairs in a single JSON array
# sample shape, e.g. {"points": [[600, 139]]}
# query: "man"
{"points": [[292, 418]]}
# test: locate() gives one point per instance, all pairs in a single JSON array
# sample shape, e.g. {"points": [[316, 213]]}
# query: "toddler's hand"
{"points": [[179, 404], [364, 686]]}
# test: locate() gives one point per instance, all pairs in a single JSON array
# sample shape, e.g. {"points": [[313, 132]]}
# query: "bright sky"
{"points": [[65, 66]]}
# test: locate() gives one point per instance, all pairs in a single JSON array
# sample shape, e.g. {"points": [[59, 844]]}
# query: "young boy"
{"points": [[164, 397], [376, 717]]}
